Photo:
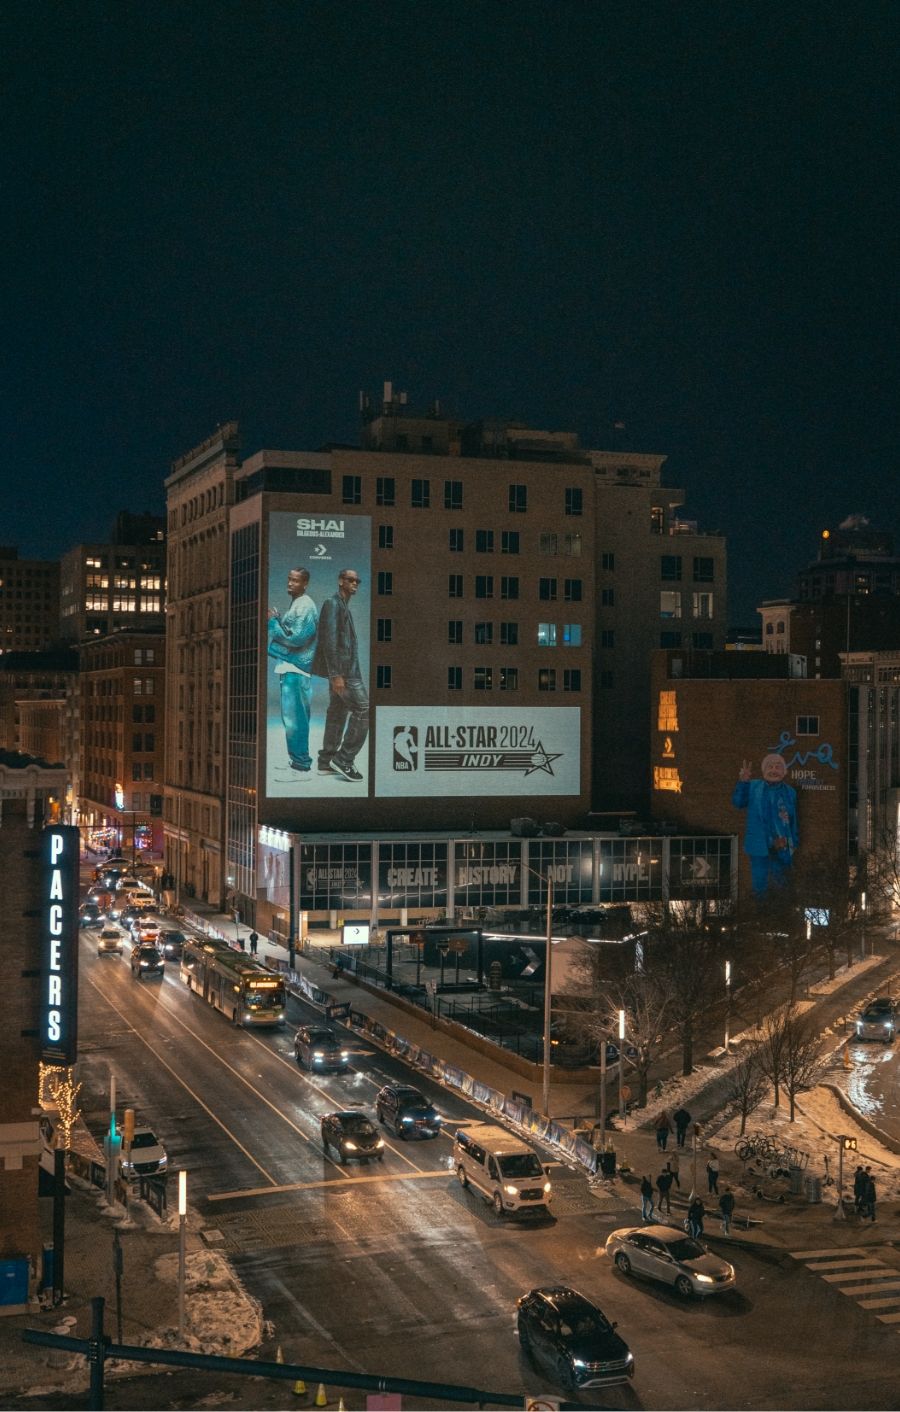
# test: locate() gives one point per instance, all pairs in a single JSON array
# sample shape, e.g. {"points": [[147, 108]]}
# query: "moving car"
{"points": [[146, 929], [571, 1339], [132, 915], [171, 944], [352, 1134], [147, 1156], [111, 941], [407, 1111], [502, 1168], [146, 960], [90, 914], [317, 1047], [666, 1254], [878, 1020]]}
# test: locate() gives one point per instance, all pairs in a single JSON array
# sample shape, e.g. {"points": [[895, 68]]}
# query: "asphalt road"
{"points": [[393, 1269]]}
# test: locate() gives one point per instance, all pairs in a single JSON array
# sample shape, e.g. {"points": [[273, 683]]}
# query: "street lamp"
{"points": [[182, 1214], [862, 943], [727, 1003], [548, 998], [621, 1066]]}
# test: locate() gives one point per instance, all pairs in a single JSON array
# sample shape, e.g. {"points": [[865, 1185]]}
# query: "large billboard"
{"points": [[60, 845], [317, 656], [472, 750]]}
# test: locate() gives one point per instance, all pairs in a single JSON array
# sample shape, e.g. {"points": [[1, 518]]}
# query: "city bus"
{"points": [[238, 985]]}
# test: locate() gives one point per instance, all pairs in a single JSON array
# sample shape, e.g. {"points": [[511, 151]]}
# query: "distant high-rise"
{"points": [[119, 584], [29, 602]]}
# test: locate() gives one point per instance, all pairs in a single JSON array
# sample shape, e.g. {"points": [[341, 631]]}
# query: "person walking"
{"points": [[868, 1209], [682, 1123], [646, 1199], [726, 1206], [712, 1175], [696, 1212], [337, 658], [673, 1162], [254, 942], [859, 1188], [663, 1128], [664, 1187]]}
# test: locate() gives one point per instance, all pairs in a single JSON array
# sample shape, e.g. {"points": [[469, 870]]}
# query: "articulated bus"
{"points": [[238, 985]]}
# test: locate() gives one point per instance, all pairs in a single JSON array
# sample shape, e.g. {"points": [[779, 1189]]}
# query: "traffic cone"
{"points": [[299, 1388], [847, 1064], [341, 1407], [279, 1356], [321, 1399]]}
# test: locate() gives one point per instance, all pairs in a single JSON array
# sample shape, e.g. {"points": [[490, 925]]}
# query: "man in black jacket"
{"points": [[337, 658]]}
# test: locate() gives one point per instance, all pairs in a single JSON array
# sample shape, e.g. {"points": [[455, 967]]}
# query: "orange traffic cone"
{"points": [[321, 1399], [847, 1064]]}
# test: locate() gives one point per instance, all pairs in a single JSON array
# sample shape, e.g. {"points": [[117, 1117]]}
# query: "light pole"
{"points": [[182, 1214], [862, 943], [621, 1067], [548, 998], [727, 1004]]}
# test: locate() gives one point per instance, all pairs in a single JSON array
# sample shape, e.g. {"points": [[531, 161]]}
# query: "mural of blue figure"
{"points": [[770, 835]]}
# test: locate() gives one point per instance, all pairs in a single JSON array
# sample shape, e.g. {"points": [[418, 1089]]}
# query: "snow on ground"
{"points": [[220, 1316]]}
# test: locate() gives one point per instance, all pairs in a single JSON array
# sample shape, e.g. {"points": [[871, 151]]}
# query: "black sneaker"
{"points": [[346, 772], [324, 767]]}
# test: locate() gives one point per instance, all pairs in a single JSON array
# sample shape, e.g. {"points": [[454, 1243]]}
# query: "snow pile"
{"points": [[220, 1316]]}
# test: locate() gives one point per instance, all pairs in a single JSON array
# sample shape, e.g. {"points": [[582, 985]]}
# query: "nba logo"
{"points": [[406, 748]]}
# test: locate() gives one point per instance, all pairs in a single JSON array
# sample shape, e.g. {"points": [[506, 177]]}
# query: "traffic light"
{"points": [[848, 1144]]}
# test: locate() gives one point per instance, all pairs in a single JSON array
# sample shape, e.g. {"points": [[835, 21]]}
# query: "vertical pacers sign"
{"points": [[59, 944]]}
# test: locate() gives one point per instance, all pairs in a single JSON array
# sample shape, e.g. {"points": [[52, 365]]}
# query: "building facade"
{"points": [[29, 603], [107, 588], [873, 689]]}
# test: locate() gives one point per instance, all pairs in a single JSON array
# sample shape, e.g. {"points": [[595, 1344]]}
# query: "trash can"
{"points": [[14, 1281], [796, 1174], [813, 1189], [607, 1164]]}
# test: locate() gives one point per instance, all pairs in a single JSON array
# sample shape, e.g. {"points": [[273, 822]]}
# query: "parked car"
{"points": [[407, 1111], [666, 1254], [146, 961], [147, 1156], [571, 1339], [878, 1020], [111, 941], [171, 944], [352, 1134], [317, 1047], [90, 915]]}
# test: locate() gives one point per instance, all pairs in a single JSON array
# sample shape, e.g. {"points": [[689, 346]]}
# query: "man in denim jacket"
{"points": [[292, 643]]}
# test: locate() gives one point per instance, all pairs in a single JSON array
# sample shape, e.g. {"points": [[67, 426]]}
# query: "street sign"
{"points": [[542, 1403]]}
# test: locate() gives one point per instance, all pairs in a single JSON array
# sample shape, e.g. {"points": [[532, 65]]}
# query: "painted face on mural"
{"points": [[773, 769]]}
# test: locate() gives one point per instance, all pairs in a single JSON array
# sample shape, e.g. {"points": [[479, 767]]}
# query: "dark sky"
{"points": [[681, 216]]}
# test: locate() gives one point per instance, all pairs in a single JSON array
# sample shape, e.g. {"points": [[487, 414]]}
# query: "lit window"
{"points": [[571, 634], [669, 603], [546, 634], [703, 605], [547, 679]]}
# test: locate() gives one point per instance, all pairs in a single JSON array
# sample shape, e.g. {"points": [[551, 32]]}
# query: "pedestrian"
{"points": [[673, 1162], [254, 942], [712, 1174], [663, 1128], [696, 1212], [726, 1206], [682, 1122], [646, 1199], [664, 1187], [868, 1209], [859, 1188]]}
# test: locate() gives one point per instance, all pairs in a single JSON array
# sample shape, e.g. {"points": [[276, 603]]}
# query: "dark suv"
{"points": [[146, 961], [319, 1048], [878, 1020], [352, 1134], [171, 944], [407, 1111], [571, 1339]]}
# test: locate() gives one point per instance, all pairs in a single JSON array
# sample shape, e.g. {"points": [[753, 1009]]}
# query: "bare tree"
{"points": [[801, 1051], [747, 1084], [686, 953], [832, 905], [771, 1049]]}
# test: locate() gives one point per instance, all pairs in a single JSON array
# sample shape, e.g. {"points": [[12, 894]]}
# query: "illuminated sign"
{"points": [[120, 797], [355, 934], [477, 751], [59, 944], [666, 777]]}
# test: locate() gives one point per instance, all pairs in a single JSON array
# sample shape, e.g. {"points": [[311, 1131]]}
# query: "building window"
{"points": [[455, 631], [807, 725], [509, 586], [453, 495], [148, 769], [483, 679], [546, 634], [385, 583], [455, 585], [606, 681], [420, 498], [135, 772], [548, 542], [150, 743], [607, 598], [384, 629], [670, 639], [572, 590], [454, 678], [509, 679], [138, 686], [571, 545], [704, 570], [670, 568], [136, 743], [484, 634], [703, 640], [572, 679], [607, 637], [669, 603], [385, 491], [137, 713], [139, 656], [571, 634], [509, 541], [547, 590], [385, 536], [509, 634], [770, 629], [457, 541], [383, 677], [149, 714], [518, 499], [351, 490], [484, 585], [574, 500], [547, 679], [484, 541], [608, 560], [703, 604]]}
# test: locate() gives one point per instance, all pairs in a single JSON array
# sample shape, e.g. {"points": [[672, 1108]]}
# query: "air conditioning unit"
{"points": [[553, 830], [524, 828]]}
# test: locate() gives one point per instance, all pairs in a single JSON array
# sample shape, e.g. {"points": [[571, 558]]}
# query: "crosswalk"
{"points": [[856, 1272]]}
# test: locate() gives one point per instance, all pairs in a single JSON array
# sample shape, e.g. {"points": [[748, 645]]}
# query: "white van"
{"points": [[502, 1167]]}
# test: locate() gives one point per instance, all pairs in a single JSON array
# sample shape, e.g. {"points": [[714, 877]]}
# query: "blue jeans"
{"points": [[346, 722], [647, 1208], [296, 691]]}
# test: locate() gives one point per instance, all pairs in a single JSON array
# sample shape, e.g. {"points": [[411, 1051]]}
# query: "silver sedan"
{"points": [[666, 1254]]}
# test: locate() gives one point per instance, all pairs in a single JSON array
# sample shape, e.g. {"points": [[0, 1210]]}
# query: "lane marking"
{"points": [[329, 1184], [237, 1142], [881, 1304], [832, 1250], [848, 1266], [871, 1289]]}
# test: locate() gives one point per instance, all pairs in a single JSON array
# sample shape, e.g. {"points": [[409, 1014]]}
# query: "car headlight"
{"points": [[345, 1054], [163, 1163], [547, 1186], [380, 1142], [247, 1015], [511, 1190], [704, 1279], [629, 1358], [350, 1146], [406, 1120], [578, 1363], [317, 1054]]}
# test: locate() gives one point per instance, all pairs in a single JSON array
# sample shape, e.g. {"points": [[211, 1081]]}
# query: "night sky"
{"points": [[679, 216]]}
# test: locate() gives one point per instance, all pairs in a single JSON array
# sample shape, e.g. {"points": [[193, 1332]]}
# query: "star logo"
{"points": [[542, 760]]}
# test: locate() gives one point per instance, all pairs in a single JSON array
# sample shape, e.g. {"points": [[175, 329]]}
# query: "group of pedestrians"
{"points": [[670, 1176], [864, 1193], [680, 1121]]}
